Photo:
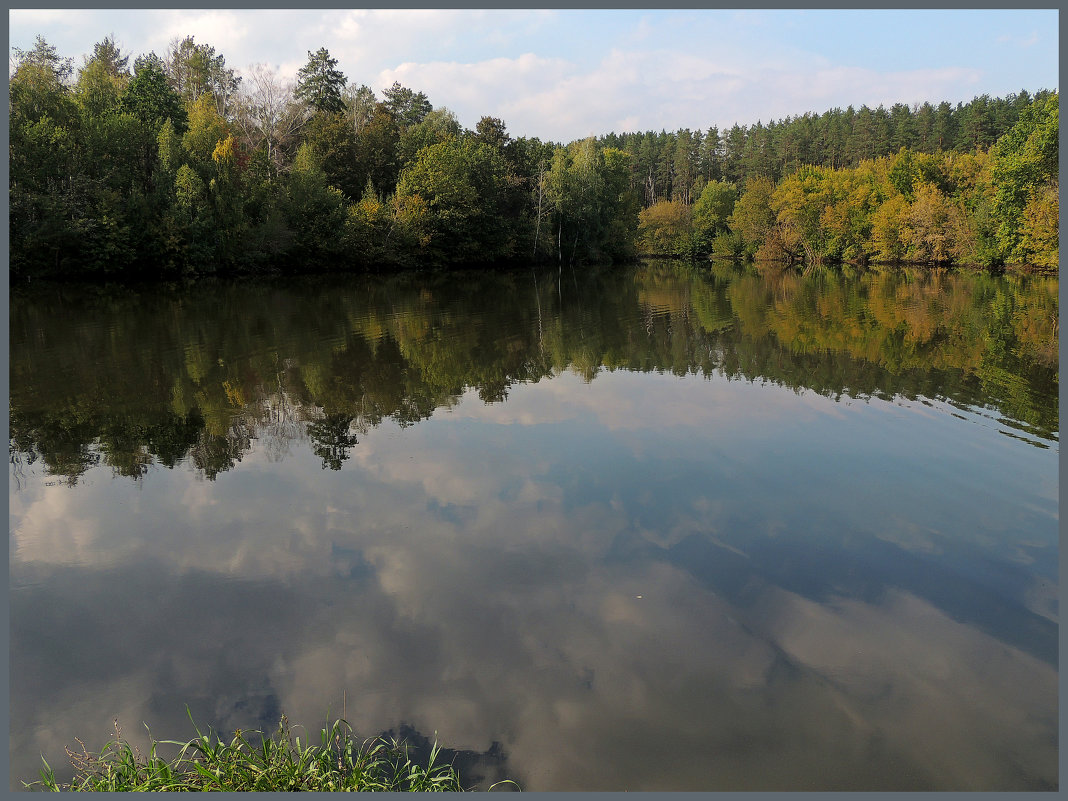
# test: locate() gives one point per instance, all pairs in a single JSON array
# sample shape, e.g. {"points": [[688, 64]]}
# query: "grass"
{"points": [[337, 763]]}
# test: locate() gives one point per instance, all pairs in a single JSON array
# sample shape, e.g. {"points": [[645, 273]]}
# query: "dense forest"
{"points": [[177, 165], [967, 205]]}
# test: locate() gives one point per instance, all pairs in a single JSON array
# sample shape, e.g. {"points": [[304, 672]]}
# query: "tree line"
{"points": [[988, 207], [676, 165], [177, 165]]}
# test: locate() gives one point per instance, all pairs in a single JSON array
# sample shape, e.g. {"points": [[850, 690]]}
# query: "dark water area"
{"points": [[655, 528]]}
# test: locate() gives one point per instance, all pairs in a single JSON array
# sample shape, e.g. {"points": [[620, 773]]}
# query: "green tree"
{"points": [[753, 218], [733, 148], [944, 127], [206, 128], [645, 168], [46, 202], [712, 155], [102, 79], [377, 148], [685, 166], [711, 213], [901, 127], [407, 107], [44, 56], [492, 132], [463, 184], [98, 90], [619, 206], [108, 53], [437, 126], [334, 141], [50, 196], [150, 97], [594, 209], [923, 124], [976, 126], [1025, 170], [320, 83], [195, 69], [314, 211], [38, 86], [904, 173], [665, 166]]}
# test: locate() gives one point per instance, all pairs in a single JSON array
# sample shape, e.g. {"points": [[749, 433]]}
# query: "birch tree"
{"points": [[268, 115]]}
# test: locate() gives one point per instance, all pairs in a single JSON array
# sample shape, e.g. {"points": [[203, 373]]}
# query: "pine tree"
{"points": [[320, 83]]}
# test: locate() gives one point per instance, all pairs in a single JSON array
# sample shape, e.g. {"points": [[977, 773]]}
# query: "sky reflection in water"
{"points": [[644, 581]]}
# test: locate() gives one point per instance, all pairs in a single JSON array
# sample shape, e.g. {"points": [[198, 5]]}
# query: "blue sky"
{"points": [[563, 74]]}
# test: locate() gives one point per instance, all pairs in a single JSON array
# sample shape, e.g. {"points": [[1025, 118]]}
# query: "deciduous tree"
{"points": [[269, 116]]}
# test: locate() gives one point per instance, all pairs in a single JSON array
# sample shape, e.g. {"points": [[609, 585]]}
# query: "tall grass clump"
{"points": [[283, 761]]}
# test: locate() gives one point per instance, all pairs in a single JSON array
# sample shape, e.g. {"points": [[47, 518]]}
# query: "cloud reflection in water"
{"points": [[614, 596]]}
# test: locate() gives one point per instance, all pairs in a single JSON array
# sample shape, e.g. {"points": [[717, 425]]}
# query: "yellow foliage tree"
{"points": [[666, 228]]}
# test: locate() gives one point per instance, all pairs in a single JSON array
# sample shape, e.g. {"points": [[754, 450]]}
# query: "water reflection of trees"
{"points": [[132, 378]]}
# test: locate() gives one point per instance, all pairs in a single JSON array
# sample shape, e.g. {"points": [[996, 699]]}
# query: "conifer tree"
{"points": [[320, 83]]}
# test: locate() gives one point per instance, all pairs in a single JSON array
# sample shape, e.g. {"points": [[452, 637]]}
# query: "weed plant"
{"points": [[337, 763]]}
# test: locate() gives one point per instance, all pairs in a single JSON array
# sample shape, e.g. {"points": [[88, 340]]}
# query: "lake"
{"points": [[652, 528]]}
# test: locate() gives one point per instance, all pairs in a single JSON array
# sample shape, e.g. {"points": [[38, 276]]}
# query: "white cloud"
{"points": [[629, 90], [48, 525], [470, 82], [35, 16], [226, 31]]}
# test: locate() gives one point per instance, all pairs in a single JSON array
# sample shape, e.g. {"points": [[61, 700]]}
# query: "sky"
{"points": [[564, 74]]}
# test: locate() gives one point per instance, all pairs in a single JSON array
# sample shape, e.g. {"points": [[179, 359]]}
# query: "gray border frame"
{"points": [[5, 334]]}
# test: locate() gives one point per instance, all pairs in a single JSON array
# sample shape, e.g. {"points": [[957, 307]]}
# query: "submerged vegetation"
{"points": [[283, 761], [177, 165]]}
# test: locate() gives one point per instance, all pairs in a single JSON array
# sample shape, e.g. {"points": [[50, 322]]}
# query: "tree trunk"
{"points": [[537, 230]]}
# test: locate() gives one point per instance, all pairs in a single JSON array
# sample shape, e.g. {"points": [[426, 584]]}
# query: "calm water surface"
{"points": [[663, 528]]}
